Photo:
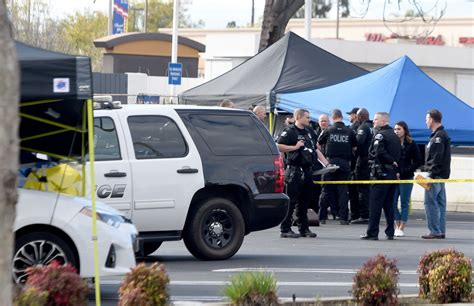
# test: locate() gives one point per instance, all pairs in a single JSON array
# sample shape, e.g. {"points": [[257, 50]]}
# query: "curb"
{"points": [[404, 299]]}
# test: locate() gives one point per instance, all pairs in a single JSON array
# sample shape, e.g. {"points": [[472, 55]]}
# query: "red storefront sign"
{"points": [[379, 37], [466, 40], [430, 40]]}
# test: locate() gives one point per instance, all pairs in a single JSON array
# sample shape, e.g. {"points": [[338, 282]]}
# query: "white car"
{"points": [[51, 227]]}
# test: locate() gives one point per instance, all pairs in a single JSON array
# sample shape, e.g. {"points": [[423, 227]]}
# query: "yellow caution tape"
{"points": [[395, 181]]}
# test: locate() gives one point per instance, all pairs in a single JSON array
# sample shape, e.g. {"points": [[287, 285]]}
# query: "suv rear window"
{"points": [[156, 137], [230, 134]]}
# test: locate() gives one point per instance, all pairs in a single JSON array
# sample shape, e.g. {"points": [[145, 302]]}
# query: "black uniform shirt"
{"points": [[339, 140], [438, 154], [364, 137], [385, 148], [290, 136], [354, 127]]}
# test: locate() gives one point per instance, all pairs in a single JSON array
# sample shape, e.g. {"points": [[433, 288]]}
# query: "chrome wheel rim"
{"points": [[38, 252]]}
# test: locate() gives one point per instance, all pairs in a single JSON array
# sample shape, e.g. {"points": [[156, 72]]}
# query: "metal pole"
{"points": [[146, 16], [174, 43], [111, 17], [307, 18], [252, 19], [337, 20]]}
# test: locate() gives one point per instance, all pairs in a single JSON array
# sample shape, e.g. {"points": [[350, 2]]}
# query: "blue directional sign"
{"points": [[175, 71]]}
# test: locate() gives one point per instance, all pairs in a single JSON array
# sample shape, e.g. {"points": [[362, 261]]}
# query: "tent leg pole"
{"points": [[83, 149], [90, 124], [270, 123]]}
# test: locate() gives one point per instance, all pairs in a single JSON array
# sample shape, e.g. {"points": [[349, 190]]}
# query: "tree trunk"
{"points": [[276, 15], [9, 97]]}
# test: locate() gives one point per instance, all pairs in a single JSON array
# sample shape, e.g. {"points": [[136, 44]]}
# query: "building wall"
{"points": [[141, 83], [153, 48], [450, 29], [151, 65]]}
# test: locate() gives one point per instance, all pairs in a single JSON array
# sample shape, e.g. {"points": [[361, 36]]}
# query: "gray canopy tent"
{"points": [[292, 64]]}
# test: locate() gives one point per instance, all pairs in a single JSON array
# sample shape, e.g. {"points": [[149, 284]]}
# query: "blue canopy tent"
{"points": [[401, 89]]}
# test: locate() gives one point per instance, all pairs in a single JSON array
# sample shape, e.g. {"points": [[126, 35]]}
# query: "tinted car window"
{"points": [[230, 134], [156, 137], [106, 145]]}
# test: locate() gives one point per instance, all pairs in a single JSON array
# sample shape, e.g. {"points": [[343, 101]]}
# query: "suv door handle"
{"points": [[115, 174], [187, 170]]}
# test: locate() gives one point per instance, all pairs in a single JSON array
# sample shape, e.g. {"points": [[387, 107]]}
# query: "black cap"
{"points": [[353, 111]]}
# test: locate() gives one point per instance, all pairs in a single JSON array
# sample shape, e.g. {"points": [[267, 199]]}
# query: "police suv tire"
{"points": [[64, 249], [215, 230], [150, 247]]}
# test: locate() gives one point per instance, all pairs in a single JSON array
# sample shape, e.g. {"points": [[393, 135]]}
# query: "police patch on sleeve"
{"points": [[438, 140], [378, 137], [284, 134]]}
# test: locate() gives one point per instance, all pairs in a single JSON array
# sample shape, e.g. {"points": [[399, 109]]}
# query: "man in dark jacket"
{"points": [[384, 154], [323, 123], [353, 194], [339, 141], [438, 165], [360, 213], [298, 143]]}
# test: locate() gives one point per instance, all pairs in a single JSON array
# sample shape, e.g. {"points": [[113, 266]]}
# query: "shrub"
{"points": [[63, 285], [252, 288], [450, 278], [425, 265], [431, 260], [31, 297], [145, 286], [376, 283]]}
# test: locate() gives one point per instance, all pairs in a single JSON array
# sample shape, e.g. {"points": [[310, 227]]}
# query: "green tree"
{"points": [[231, 24], [321, 8], [344, 7], [160, 15], [32, 23], [79, 32]]}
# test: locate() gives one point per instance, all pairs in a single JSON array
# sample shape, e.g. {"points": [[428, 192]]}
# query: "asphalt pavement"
{"points": [[306, 267]]}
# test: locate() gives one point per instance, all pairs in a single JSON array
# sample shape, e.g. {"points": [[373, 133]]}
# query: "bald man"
{"points": [[384, 155], [261, 112], [227, 103]]}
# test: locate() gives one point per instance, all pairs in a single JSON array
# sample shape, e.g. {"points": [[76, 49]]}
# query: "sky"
{"points": [[217, 13]]}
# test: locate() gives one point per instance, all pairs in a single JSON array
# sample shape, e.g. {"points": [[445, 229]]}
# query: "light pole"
{"points": [[307, 18], [174, 42], [111, 16], [337, 20], [252, 19], [146, 16]]}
